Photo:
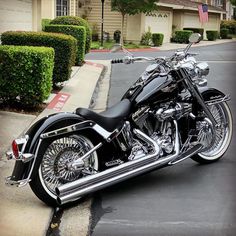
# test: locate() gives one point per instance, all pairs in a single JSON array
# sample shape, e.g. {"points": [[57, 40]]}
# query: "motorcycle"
{"points": [[168, 115]]}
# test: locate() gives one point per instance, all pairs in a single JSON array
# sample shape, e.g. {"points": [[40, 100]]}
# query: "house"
{"points": [[177, 14]]}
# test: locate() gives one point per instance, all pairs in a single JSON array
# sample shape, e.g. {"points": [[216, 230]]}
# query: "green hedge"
{"points": [[224, 33], [75, 20], [65, 47], [157, 39], [45, 22], [196, 30], [230, 25], [25, 74], [182, 36], [77, 32], [212, 35]]}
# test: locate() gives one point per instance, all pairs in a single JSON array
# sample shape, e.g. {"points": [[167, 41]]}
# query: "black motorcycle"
{"points": [[167, 116]]}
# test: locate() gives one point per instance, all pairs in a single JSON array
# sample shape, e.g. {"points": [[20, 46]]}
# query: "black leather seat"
{"points": [[109, 119]]}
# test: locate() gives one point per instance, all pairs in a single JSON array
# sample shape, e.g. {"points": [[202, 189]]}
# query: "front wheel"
{"points": [[223, 135], [54, 171]]}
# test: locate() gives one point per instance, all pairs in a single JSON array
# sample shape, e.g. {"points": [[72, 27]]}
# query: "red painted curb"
{"points": [[58, 101], [130, 50], [94, 64]]}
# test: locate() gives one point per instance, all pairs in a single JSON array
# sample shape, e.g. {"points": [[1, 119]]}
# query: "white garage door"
{"points": [[160, 22], [15, 15]]}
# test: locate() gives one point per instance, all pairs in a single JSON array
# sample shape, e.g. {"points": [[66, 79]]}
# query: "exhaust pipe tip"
{"points": [[57, 191], [59, 201]]}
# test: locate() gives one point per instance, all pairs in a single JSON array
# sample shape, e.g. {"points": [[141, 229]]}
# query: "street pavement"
{"points": [[187, 199]]}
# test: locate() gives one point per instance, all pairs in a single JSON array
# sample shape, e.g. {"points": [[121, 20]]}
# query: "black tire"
{"points": [[210, 155], [50, 156]]}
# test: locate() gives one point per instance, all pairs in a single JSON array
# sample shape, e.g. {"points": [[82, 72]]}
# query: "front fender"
{"points": [[211, 94]]}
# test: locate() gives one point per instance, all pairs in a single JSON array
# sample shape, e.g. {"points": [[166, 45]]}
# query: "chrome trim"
{"points": [[218, 100], [23, 182], [76, 189], [24, 157], [77, 163], [18, 183], [82, 125]]}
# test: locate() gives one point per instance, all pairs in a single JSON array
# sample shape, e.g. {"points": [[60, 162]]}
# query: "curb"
{"points": [[169, 46]]}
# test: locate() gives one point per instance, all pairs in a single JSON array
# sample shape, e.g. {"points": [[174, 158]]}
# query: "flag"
{"points": [[203, 13]]}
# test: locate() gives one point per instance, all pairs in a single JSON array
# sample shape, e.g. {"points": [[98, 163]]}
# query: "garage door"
{"points": [[15, 15], [160, 22], [192, 21]]}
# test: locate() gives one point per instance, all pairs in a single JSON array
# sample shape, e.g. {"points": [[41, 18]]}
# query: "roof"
{"points": [[188, 5]]}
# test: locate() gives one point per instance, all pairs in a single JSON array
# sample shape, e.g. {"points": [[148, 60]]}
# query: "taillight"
{"points": [[15, 149]]}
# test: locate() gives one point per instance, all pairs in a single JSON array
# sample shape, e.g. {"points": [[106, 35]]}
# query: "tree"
{"points": [[132, 7], [233, 2]]}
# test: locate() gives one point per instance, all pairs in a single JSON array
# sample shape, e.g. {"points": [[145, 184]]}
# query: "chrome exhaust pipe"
{"points": [[72, 191]]}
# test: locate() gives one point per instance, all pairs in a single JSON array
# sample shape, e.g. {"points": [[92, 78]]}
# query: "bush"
{"points": [[182, 36], [77, 32], [230, 25], [212, 35], [65, 47], [147, 38], [224, 33], [75, 20], [157, 39], [44, 23], [196, 30], [25, 74]]}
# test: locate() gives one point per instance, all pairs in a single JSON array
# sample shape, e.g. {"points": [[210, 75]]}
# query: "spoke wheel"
{"points": [[216, 145], [55, 168]]}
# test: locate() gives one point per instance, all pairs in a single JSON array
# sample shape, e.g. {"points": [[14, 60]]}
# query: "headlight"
{"points": [[202, 69]]}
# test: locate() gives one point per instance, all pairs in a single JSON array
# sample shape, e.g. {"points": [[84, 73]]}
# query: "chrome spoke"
{"points": [[56, 158]]}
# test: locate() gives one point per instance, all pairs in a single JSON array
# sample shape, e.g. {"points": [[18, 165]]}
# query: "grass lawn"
{"points": [[108, 45]]}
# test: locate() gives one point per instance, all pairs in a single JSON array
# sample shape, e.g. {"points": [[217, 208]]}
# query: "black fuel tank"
{"points": [[158, 89]]}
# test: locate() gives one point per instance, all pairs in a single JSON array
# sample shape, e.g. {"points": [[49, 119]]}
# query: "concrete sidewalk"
{"points": [[21, 212]]}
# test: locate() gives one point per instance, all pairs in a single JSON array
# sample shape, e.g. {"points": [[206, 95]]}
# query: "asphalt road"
{"points": [[186, 199]]}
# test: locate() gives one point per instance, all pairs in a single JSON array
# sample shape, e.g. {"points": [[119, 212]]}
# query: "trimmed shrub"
{"points": [[147, 38], [230, 25], [212, 35], [182, 36], [196, 30], [224, 33], [45, 22], [25, 74], [157, 39], [77, 32], [75, 20], [65, 47]]}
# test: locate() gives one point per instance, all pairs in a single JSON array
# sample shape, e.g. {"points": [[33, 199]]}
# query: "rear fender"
{"points": [[23, 171]]}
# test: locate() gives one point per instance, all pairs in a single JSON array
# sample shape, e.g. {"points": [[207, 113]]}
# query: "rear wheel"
{"points": [[223, 135], [54, 169]]}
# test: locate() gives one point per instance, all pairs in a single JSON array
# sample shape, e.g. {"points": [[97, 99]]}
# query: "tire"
{"points": [[53, 169], [223, 116]]}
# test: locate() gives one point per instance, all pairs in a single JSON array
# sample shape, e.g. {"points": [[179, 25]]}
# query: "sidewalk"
{"points": [[21, 212], [171, 46]]}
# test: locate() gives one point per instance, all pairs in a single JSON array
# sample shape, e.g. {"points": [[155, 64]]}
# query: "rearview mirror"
{"points": [[195, 38], [116, 48]]}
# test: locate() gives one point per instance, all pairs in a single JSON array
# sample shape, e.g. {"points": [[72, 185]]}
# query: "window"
{"points": [[217, 3], [62, 7]]}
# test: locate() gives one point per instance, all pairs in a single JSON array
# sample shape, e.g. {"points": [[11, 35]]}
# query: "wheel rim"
{"points": [[54, 171], [223, 132]]}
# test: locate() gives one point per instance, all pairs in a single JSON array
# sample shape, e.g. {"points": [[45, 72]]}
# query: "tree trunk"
{"points": [[122, 30]]}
